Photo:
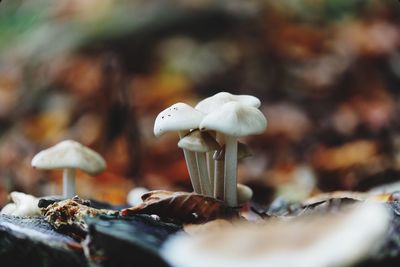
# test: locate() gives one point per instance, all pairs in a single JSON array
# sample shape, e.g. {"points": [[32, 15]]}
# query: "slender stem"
{"points": [[69, 183], [191, 163], [219, 172], [204, 181], [219, 180], [231, 170], [211, 168]]}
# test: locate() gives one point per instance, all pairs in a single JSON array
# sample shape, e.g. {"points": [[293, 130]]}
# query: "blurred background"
{"points": [[99, 72]]}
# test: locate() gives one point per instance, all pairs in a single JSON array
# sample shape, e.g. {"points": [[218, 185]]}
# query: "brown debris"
{"points": [[182, 206], [69, 215]]}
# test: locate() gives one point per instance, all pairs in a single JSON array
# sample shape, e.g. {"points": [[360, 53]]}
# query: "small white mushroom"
{"points": [[244, 193], [24, 205], [233, 120], [69, 155], [211, 104], [201, 143], [181, 117]]}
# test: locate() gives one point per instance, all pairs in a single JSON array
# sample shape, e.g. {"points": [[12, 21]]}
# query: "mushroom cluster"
{"points": [[209, 135]]}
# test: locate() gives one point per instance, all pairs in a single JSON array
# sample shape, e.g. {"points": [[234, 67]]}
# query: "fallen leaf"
{"points": [[182, 206]]}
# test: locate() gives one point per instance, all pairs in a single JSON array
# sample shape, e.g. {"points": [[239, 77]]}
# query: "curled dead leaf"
{"points": [[182, 206]]}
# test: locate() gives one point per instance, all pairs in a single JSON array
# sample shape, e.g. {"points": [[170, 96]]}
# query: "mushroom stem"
{"points": [[69, 183], [191, 163], [231, 170], [219, 173], [211, 168], [219, 180], [203, 173]]}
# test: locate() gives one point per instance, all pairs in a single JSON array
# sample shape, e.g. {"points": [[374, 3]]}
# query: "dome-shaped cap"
{"points": [[216, 101], [199, 142], [178, 117], [235, 119], [69, 154]]}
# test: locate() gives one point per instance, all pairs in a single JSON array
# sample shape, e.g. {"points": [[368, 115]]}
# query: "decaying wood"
{"points": [[31, 241]]}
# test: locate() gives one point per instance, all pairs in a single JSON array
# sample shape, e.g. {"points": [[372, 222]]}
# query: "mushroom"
{"points": [[181, 117], [233, 120], [244, 193], [335, 239], [69, 155], [211, 104], [201, 143], [24, 205]]}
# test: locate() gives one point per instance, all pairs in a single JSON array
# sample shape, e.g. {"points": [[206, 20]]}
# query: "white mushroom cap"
{"points": [[235, 119], [216, 101], [178, 117], [199, 142], [69, 154]]}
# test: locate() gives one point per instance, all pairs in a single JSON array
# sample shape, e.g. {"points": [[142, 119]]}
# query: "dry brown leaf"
{"points": [[182, 206]]}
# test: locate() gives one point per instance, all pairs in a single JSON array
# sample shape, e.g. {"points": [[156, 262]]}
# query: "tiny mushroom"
{"points": [[181, 117], [233, 120], [244, 193], [211, 104], [24, 205], [69, 155], [201, 143]]}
